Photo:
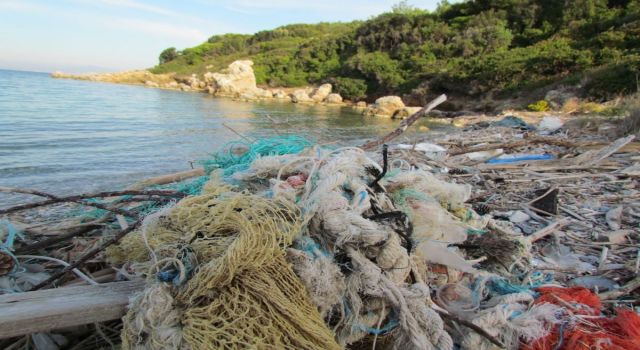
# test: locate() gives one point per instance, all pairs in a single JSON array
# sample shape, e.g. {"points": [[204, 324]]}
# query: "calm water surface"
{"points": [[67, 136]]}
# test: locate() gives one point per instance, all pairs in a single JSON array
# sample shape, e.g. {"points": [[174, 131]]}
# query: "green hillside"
{"points": [[473, 48]]}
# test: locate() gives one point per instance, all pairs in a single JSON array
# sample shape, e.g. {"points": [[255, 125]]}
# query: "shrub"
{"points": [[540, 106], [349, 88], [168, 55]]}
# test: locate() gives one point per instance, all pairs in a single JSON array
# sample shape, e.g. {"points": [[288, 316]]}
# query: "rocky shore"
{"points": [[238, 81]]}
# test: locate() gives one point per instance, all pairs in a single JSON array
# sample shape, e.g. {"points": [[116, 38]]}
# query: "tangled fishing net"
{"points": [[292, 246]]}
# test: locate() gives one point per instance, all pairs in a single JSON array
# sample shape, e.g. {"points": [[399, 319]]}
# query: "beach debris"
{"points": [[549, 125], [513, 122], [614, 218], [423, 245], [514, 158]]}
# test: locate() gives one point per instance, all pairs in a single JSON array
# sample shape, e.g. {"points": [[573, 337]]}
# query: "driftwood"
{"points": [[88, 255], [46, 310], [167, 179], [405, 124], [80, 198], [515, 144]]}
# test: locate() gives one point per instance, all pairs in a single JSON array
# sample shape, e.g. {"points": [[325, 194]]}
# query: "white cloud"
{"points": [[139, 6], [160, 29], [13, 5]]}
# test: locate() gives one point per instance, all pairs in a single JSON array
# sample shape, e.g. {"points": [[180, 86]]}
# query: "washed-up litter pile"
{"points": [[429, 245]]}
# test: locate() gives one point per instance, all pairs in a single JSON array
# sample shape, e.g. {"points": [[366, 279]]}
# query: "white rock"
{"points": [[405, 112], [385, 106], [321, 92], [361, 104], [235, 80], [333, 99], [300, 96]]}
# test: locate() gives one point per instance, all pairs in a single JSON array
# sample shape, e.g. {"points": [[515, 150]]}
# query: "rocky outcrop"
{"points": [[237, 79], [300, 96], [138, 77], [281, 95], [361, 105], [256, 94], [558, 97], [321, 93], [333, 99], [385, 106], [405, 112]]}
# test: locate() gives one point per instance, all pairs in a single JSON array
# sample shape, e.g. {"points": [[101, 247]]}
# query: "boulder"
{"points": [[150, 83], [299, 96], [385, 106], [279, 94], [558, 97], [361, 105], [256, 94], [235, 80], [319, 94], [405, 112], [333, 99]]}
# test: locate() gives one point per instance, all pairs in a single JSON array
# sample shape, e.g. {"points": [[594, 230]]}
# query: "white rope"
{"points": [[63, 263]]}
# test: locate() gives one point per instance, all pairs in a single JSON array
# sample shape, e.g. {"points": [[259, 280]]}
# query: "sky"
{"points": [[78, 36]]}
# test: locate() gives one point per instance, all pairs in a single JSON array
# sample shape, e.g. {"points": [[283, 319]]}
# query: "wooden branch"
{"points": [[167, 179], [71, 232], [46, 310], [549, 229], [515, 144], [405, 124], [474, 327], [88, 255], [80, 198], [624, 290]]}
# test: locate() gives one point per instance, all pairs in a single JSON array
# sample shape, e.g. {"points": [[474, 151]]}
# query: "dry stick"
{"points": [[88, 255], [626, 289], [535, 139], [237, 133], [75, 231], [405, 124], [549, 229], [166, 179], [474, 327], [79, 198]]}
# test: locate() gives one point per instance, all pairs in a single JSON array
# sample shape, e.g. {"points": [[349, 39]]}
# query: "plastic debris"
{"points": [[514, 122], [511, 158], [550, 124]]}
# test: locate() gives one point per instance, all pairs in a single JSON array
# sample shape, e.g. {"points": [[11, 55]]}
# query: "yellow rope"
{"points": [[243, 294]]}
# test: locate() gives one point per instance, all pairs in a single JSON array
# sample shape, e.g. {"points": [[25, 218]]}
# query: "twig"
{"points": [[73, 231], [514, 144], [404, 124], [474, 327], [549, 229], [237, 133], [88, 255], [80, 198], [626, 289]]}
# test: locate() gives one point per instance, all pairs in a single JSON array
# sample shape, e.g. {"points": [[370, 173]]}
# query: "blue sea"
{"points": [[71, 137]]}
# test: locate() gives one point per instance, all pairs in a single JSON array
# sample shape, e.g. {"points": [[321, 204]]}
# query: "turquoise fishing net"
{"points": [[237, 156]]}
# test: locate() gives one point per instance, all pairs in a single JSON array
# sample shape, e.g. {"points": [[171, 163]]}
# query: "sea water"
{"points": [[70, 137]]}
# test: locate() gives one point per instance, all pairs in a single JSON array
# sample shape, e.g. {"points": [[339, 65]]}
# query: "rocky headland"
{"points": [[238, 81]]}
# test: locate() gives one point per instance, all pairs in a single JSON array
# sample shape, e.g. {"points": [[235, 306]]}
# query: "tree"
{"points": [[168, 55]]}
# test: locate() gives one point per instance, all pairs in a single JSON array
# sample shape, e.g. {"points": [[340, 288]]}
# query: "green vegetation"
{"points": [[467, 49], [540, 106]]}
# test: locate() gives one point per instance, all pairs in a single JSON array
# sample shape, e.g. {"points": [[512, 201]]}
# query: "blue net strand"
{"points": [[237, 156]]}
